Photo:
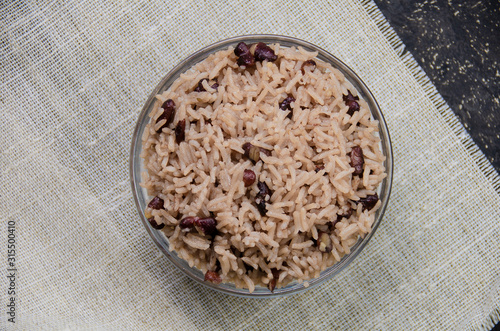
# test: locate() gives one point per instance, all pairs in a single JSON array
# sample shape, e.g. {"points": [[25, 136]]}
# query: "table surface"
{"points": [[69, 156], [457, 44]]}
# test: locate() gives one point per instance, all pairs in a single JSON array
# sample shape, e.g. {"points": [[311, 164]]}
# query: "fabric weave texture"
{"points": [[74, 76]]}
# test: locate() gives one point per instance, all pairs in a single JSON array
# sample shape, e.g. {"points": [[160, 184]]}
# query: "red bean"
{"points": [[353, 107], [241, 49], [155, 225], [246, 60], [369, 202], [274, 280], [248, 177], [168, 113], [349, 97], [261, 206], [169, 103], [272, 285], [350, 101], [357, 160], [246, 147], [286, 103], [263, 52], [263, 189], [212, 277], [260, 198], [347, 214], [180, 131], [188, 223], [207, 225], [200, 87], [156, 203]]}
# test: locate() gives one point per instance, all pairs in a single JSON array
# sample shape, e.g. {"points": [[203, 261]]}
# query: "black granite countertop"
{"points": [[457, 43]]}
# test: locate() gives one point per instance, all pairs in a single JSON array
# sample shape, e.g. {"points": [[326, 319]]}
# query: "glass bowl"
{"points": [[141, 197]]}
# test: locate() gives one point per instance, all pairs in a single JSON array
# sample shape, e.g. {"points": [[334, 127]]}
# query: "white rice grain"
{"points": [[308, 171]]}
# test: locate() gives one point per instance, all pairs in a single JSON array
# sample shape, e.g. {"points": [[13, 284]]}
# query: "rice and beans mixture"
{"points": [[263, 163]]}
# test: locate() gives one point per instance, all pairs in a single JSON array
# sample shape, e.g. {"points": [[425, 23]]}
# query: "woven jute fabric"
{"points": [[74, 77]]}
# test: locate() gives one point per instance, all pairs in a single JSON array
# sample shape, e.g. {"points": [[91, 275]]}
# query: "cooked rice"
{"points": [[203, 174]]}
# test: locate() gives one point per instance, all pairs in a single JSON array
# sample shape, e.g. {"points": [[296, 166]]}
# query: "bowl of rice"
{"points": [[261, 165]]}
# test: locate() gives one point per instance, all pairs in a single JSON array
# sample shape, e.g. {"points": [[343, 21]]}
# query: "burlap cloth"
{"points": [[74, 76]]}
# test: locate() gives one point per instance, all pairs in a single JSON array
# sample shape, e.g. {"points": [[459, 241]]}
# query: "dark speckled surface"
{"points": [[457, 43]]}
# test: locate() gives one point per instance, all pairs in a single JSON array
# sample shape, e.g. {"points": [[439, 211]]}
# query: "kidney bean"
{"points": [[357, 160], [207, 225], [212, 277], [188, 223], [263, 52], [168, 104], [260, 198], [286, 103], [201, 88], [241, 49], [350, 101], [347, 214], [263, 189], [155, 225], [261, 206], [248, 177], [349, 97], [274, 280], [246, 147], [369, 202], [168, 113], [180, 131], [246, 60], [156, 203]]}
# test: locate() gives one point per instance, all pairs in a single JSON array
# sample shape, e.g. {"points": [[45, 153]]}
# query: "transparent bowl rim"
{"points": [[139, 193]]}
